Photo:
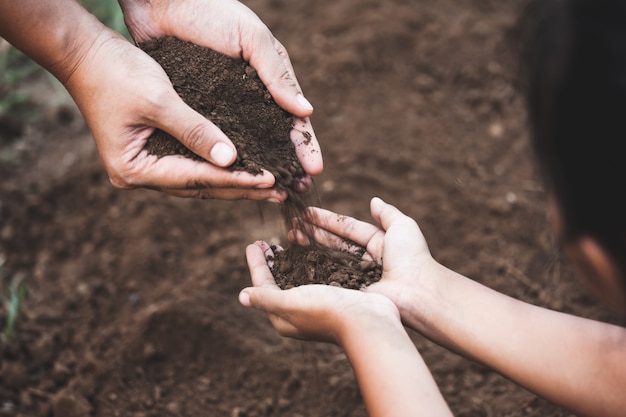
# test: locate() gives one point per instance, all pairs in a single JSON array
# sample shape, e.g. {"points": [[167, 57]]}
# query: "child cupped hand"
{"points": [[318, 312], [366, 324]]}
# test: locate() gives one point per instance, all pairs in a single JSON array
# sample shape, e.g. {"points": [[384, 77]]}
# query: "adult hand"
{"points": [[231, 28], [124, 95]]}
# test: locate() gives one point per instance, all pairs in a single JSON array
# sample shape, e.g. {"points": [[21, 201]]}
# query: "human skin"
{"points": [[572, 361], [393, 378], [124, 94]]}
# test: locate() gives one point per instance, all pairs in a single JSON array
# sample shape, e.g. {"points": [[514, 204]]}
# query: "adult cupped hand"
{"points": [[124, 95]]}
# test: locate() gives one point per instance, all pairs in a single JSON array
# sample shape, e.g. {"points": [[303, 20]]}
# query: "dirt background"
{"points": [[132, 305]]}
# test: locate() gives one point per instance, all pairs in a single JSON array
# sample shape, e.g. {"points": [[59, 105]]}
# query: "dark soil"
{"points": [[301, 265], [230, 94], [131, 307]]}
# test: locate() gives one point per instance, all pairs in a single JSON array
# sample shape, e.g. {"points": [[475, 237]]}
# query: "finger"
{"points": [[345, 227], [299, 237], [303, 184], [276, 72], [269, 256], [387, 215], [256, 256], [194, 131], [179, 172], [266, 300], [229, 194], [406, 233], [273, 301], [271, 61], [307, 147]]}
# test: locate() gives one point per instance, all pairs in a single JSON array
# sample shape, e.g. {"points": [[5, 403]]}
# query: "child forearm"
{"points": [[392, 376], [577, 363]]}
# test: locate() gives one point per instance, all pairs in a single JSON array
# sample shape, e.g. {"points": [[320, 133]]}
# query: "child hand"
{"points": [[313, 312], [397, 243]]}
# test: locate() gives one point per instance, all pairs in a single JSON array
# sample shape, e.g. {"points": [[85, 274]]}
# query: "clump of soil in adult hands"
{"points": [[230, 94]]}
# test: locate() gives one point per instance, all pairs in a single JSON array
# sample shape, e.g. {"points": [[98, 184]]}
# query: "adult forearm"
{"points": [[54, 33]]}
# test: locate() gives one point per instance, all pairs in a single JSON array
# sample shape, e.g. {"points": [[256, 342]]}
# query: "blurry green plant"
{"points": [[12, 303]]}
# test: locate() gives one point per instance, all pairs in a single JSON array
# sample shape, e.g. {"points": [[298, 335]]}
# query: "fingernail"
{"points": [[304, 102], [222, 154], [244, 298]]}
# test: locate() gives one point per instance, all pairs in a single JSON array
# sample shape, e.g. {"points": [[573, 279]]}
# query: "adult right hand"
{"points": [[125, 95]]}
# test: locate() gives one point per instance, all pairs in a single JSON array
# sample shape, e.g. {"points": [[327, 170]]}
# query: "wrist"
{"points": [[421, 300], [107, 61], [81, 43], [375, 318]]}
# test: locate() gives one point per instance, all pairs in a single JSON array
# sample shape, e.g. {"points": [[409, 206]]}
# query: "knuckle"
{"points": [[120, 182], [280, 48], [199, 186], [200, 190], [202, 195], [125, 177], [194, 136], [157, 101], [285, 77]]}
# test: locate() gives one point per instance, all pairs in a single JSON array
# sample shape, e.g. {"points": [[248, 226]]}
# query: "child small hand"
{"points": [[396, 242], [313, 312], [392, 376]]}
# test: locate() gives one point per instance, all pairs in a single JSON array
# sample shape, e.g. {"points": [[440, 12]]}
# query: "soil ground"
{"points": [[132, 305]]}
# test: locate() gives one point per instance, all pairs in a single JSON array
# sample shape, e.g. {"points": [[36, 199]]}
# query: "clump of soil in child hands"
{"points": [[301, 265], [229, 92]]}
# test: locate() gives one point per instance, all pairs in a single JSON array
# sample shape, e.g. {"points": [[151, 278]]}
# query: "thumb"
{"points": [[264, 299], [244, 298], [197, 133], [386, 214]]}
